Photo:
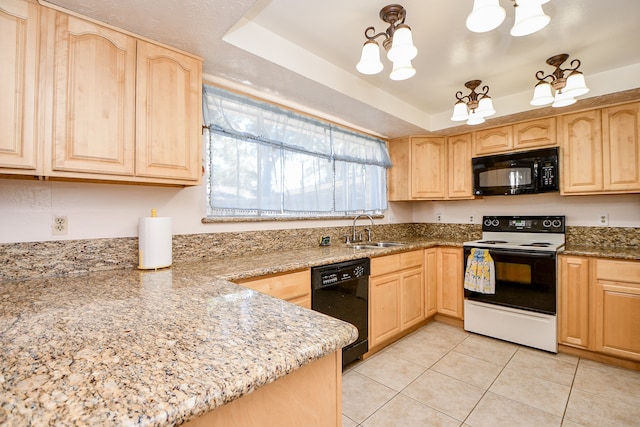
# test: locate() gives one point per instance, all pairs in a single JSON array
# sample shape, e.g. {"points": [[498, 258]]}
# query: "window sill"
{"points": [[233, 219]]}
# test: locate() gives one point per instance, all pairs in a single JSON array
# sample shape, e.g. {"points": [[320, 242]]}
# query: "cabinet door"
{"points": [[428, 168], [496, 140], [573, 305], [293, 287], [535, 134], [430, 281], [168, 114], [581, 147], [460, 185], [18, 79], [621, 147], [616, 312], [412, 292], [94, 111], [398, 176], [617, 319], [450, 282], [384, 308]]}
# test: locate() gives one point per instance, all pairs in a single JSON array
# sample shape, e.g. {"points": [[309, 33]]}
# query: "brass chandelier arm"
{"points": [[558, 73], [372, 38], [459, 96], [473, 96]]}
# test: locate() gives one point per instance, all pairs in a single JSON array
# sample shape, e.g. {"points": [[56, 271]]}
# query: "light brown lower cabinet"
{"points": [[293, 287], [599, 306], [573, 301], [450, 281], [430, 281], [396, 295], [616, 308], [310, 396]]}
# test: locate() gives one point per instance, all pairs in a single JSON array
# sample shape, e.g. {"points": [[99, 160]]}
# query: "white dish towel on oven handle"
{"points": [[479, 276]]}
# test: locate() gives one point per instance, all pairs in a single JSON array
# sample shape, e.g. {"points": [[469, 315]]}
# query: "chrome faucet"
{"points": [[355, 237]]}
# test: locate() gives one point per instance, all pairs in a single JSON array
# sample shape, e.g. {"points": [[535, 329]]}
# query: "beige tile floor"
{"points": [[441, 375]]}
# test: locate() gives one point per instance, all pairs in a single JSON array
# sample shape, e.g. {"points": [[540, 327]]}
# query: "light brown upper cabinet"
{"points": [[19, 35], [494, 140], [601, 151], [91, 102], [459, 171], [621, 147], [95, 90], [168, 118], [518, 137], [419, 168], [430, 168]]}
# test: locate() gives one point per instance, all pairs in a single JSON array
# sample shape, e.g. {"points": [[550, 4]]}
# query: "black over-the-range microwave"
{"points": [[525, 172]]}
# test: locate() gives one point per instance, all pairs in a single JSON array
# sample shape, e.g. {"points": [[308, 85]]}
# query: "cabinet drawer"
{"points": [[396, 262], [618, 271], [290, 286]]}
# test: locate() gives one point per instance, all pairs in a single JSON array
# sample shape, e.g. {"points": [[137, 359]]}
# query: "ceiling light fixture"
{"points": [[561, 91], [398, 43], [488, 15], [473, 107]]}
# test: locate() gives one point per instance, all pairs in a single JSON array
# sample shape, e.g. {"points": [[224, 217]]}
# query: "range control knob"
{"points": [[495, 222], [487, 222], [546, 223], [557, 223]]}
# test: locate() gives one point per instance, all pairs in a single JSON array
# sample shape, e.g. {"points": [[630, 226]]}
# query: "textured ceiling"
{"points": [[303, 53]]}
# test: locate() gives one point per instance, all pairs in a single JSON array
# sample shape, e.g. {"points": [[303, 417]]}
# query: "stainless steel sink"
{"points": [[376, 245], [385, 244]]}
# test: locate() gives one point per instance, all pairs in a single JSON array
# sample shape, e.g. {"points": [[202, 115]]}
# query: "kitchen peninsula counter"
{"points": [[146, 348]]}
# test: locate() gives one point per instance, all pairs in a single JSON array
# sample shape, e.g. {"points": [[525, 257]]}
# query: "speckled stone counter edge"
{"points": [[55, 258]]}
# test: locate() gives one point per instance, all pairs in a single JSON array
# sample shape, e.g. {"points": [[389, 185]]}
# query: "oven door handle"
{"points": [[549, 255]]}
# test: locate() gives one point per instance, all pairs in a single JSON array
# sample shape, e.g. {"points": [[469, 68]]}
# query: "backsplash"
{"points": [[55, 258]]}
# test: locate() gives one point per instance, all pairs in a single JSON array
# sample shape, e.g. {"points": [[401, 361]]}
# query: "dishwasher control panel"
{"points": [[338, 273]]}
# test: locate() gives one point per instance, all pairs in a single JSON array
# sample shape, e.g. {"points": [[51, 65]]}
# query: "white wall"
{"points": [[623, 210], [112, 210]]}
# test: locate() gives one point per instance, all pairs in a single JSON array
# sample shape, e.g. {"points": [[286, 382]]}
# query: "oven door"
{"points": [[524, 279]]}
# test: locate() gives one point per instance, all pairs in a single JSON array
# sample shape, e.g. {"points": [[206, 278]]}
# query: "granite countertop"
{"points": [[622, 253], [129, 347], [146, 348]]}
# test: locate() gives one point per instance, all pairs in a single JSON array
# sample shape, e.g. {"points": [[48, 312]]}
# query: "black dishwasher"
{"points": [[341, 290]]}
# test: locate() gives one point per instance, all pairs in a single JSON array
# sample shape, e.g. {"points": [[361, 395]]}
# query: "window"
{"points": [[263, 160]]}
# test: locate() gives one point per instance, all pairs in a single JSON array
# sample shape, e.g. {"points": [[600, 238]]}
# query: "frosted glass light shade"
{"points": [[575, 84], [485, 107], [475, 118], [402, 70], [542, 94], [529, 18], [563, 99], [402, 48], [485, 16], [460, 113], [370, 59]]}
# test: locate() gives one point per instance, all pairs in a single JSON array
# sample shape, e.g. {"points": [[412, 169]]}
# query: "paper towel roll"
{"points": [[154, 242]]}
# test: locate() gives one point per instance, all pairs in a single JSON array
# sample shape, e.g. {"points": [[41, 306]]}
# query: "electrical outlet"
{"points": [[438, 217], [603, 219], [60, 225], [470, 219]]}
